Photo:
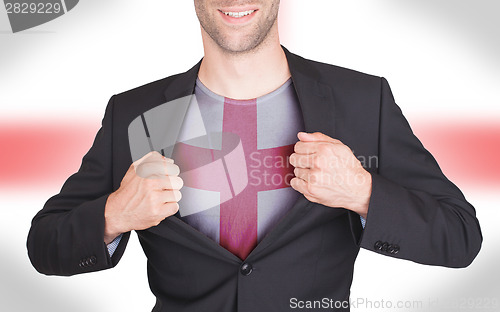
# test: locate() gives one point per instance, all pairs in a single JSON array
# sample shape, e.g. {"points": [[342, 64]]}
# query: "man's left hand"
{"points": [[327, 172]]}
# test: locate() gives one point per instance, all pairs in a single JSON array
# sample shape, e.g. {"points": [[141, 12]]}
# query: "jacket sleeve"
{"points": [[67, 236], [415, 212]]}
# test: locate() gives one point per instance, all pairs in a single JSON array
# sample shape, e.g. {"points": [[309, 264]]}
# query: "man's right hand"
{"points": [[149, 192]]}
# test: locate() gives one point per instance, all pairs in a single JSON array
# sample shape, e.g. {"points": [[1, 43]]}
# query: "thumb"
{"points": [[146, 156], [316, 137]]}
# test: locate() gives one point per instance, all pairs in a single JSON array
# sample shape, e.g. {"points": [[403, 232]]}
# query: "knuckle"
{"points": [[317, 171], [181, 182], [313, 177], [158, 184], [167, 183], [311, 190], [158, 220], [154, 210], [148, 198], [157, 198], [177, 195], [144, 166], [155, 154], [317, 161], [172, 169], [148, 183], [321, 148], [172, 208], [311, 199], [176, 182], [345, 150], [297, 147], [177, 169]]}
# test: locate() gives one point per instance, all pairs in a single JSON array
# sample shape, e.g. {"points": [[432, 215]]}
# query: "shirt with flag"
{"points": [[233, 157]]}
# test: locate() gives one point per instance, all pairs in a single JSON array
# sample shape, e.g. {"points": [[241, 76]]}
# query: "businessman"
{"points": [[225, 222]]}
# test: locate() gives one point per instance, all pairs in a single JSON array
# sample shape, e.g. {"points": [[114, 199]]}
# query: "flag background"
{"points": [[440, 58]]}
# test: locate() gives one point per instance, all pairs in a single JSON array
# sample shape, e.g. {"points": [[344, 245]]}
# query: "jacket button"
{"points": [[93, 260], [395, 249], [83, 263], [246, 269], [378, 245], [390, 249], [385, 245]]}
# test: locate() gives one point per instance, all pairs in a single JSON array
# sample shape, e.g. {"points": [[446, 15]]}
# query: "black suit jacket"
{"points": [[415, 212]]}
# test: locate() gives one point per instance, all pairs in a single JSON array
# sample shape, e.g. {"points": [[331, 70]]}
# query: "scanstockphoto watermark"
{"points": [[356, 303], [370, 304], [323, 303], [385, 304]]}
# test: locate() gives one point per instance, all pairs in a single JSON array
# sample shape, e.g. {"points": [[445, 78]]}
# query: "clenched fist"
{"points": [[327, 172], [149, 192]]}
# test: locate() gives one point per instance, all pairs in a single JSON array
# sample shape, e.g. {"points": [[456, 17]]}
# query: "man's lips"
{"points": [[237, 15]]}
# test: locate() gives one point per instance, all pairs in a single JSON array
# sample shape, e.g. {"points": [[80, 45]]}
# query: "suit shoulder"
{"points": [[130, 104], [152, 90], [339, 74]]}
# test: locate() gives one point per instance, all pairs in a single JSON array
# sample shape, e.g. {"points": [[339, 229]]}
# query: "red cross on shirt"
{"points": [[239, 201]]}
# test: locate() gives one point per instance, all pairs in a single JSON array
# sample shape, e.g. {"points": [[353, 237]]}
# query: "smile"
{"points": [[239, 14]]}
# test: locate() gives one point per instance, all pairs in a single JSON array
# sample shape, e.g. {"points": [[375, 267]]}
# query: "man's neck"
{"points": [[244, 76]]}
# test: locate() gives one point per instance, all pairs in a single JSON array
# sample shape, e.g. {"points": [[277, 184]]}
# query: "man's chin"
{"points": [[239, 46]]}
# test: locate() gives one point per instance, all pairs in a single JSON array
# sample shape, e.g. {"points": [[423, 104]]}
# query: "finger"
{"points": [[156, 157], [301, 186], [314, 147], [306, 147], [150, 155], [132, 170], [302, 161], [311, 176], [170, 160], [301, 173], [157, 169], [170, 196], [172, 169], [171, 208], [172, 183], [298, 184], [316, 137]]}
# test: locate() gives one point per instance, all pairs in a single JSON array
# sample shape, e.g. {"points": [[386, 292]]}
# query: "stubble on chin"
{"points": [[249, 43]]}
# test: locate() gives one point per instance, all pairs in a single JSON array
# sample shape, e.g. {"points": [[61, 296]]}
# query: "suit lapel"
{"points": [[318, 109], [183, 84], [315, 98]]}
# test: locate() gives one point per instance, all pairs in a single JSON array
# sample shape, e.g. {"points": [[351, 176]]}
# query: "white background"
{"points": [[440, 57]]}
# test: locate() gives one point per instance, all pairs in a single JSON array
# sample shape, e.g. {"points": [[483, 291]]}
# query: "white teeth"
{"points": [[239, 14]]}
